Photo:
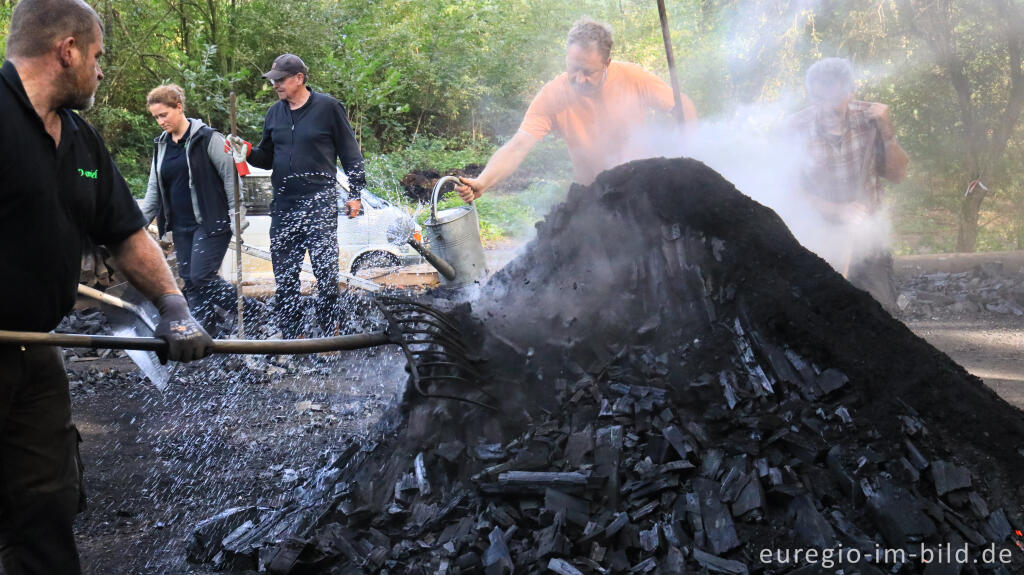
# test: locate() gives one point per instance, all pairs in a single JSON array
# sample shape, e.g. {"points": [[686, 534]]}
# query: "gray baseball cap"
{"points": [[286, 65]]}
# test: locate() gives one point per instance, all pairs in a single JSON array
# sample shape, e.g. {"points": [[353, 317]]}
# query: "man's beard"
{"points": [[77, 94], [586, 89]]}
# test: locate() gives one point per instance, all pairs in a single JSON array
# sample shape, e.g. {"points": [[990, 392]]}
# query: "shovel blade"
{"points": [[138, 323], [150, 366]]}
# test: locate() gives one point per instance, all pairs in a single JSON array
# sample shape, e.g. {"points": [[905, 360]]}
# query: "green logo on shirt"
{"points": [[92, 175]]}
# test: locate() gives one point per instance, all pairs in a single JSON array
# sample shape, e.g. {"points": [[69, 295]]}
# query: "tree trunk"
{"points": [[183, 30], [967, 229]]}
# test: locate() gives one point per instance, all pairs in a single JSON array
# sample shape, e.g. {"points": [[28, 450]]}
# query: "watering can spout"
{"points": [[444, 268]]}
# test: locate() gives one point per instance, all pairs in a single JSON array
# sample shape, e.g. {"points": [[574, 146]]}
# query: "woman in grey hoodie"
{"points": [[191, 195]]}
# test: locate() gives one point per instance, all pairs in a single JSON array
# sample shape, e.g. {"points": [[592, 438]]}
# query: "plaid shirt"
{"points": [[843, 168]]}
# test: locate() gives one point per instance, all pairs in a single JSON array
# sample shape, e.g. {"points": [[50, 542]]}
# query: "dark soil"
{"points": [[418, 184], [221, 434]]}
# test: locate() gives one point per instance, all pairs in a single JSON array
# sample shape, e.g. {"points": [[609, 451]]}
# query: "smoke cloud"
{"points": [[753, 149]]}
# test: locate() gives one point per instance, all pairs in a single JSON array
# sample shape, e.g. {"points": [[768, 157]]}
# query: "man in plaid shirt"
{"points": [[851, 146]]}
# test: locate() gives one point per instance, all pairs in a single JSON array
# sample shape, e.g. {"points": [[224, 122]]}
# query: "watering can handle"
{"points": [[437, 188]]}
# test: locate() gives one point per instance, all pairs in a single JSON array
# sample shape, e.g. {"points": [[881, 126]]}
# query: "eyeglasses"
{"points": [[280, 81]]}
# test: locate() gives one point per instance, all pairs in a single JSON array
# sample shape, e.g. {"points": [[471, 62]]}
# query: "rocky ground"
{"points": [[156, 463], [974, 316]]}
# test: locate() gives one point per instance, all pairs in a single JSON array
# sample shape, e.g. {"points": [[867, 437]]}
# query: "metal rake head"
{"points": [[433, 348]]}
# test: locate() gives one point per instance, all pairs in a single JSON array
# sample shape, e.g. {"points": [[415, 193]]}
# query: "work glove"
{"points": [[186, 339], [239, 150], [353, 208]]}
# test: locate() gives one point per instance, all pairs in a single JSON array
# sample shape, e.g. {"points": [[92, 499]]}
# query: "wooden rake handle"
{"points": [[220, 346]]}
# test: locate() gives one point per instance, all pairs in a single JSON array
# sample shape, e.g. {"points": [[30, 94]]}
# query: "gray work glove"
{"points": [[186, 339]]}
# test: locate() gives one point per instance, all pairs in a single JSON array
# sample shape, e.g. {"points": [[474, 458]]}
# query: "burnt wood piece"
{"points": [[715, 516], [576, 510], [717, 564], [897, 513], [811, 527], [607, 455], [949, 477], [497, 560], [562, 567], [544, 479]]}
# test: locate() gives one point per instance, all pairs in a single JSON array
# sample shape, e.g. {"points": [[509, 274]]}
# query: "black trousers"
{"points": [[298, 225], [199, 259], [40, 468]]}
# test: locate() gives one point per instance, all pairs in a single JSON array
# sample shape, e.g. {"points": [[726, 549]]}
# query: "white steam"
{"points": [[754, 150]]}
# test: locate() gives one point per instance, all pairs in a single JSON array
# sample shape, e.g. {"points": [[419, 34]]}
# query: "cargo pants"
{"points": [[298, 225], [40, 467]]}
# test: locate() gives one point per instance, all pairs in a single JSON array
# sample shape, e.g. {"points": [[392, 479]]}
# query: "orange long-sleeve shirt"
{"points": [[598, 128]]}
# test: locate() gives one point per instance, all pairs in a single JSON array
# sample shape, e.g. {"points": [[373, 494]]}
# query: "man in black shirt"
{"points": [[59, 188], [303, 135]]}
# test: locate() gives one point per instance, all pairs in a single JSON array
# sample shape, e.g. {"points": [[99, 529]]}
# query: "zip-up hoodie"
{"points": [[210, 179]]}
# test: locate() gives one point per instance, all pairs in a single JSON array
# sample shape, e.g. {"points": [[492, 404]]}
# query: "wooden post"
{"points": [[676, 93], [238, 231]]}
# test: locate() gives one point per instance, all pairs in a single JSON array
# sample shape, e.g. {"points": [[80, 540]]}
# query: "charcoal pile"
{"points": [[990, 289], [681, 388], [89, 321]]}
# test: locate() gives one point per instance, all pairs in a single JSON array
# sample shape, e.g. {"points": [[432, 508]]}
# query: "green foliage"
{"points": [[437, 84], [384, 172], [5, 21]]}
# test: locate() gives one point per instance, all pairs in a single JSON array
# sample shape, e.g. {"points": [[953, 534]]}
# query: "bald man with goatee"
{"points": [[59, 189]]}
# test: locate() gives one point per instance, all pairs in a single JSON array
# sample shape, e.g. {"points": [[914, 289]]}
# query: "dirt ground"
{"points": [[157, 463], [991, 348]]}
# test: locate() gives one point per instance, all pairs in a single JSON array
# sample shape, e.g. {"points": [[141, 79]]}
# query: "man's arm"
{"points": [[661, 96], [347, 150], [502, 164], [141, 260], [896, 158], [896, 161], [689, 110], [262, 154]]}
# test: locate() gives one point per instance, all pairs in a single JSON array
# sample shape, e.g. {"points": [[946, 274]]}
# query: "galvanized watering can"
{"points": [[454, 236]]}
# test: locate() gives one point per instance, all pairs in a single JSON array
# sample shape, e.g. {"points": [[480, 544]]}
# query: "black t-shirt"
{"points": [[53, 200], [301, 146], [174, 173]]}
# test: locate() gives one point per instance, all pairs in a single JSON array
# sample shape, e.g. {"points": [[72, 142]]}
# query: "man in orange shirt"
{"points": [[596, 105]]}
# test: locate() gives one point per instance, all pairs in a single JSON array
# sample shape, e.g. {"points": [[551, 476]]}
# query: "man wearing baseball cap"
{"points": [[304, 133]]}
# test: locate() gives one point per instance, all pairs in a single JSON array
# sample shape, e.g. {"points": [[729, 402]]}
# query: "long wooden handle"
{"points": [[220, 346], [100, 296], [118, 303], [238, 231], [677, 94]]}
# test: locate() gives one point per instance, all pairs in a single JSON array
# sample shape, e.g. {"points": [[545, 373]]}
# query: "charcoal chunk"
{"points": [[715, 517], [948, 477], [563, 567], [897, 513], [717, 564]]}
